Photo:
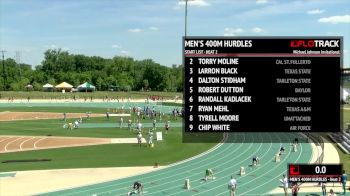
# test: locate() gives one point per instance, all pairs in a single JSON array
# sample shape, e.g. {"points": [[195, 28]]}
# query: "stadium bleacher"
{"points": [[342, 139], [346, 135]]}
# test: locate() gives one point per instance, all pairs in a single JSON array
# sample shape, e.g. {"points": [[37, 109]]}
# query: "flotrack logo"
{"points": [[314, 43]]}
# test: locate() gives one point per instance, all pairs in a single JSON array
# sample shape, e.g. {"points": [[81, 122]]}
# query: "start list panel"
{"points": [[262, 84]]}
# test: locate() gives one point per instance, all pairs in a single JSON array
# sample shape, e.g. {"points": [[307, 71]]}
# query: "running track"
{"points": [[225, 160]]}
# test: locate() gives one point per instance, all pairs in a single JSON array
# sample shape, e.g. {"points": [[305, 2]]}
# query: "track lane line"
{"points": [[167, 170], [266, 152], [3, 149], [11, 143], [284, 172], [36, 142], [20, 146], [161, 174], [262, 175], [4, 139], [210, 163]]}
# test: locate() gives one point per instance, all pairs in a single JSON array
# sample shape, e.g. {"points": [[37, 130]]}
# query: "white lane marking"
{"points": [[12, 142], [167, 167], [20, 146], [35, 143]]}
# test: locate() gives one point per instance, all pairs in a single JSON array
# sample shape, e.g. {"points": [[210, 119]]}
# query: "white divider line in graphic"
{"points": [[35, 143], [20, 146], [12, 142]]}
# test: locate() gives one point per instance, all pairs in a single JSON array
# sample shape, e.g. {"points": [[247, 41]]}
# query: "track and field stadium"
{"points": [[105, 158]]}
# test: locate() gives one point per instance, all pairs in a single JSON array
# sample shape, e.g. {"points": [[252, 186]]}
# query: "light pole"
{"points": [[3, 68], [185, 18]]}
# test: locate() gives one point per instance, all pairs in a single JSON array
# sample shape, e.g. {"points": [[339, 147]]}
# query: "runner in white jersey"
{"points": [[121, 122], [129, 124], [154, 123], [167, 126], [232, 186], [284, 182], [150, 142], [139, 127], [139, 138]]}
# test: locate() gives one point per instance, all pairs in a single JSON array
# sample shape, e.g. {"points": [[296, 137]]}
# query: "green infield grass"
{"points": [[54, 127], [165, 152]]}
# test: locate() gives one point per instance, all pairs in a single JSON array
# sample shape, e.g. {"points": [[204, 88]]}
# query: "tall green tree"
{"points": [[124, 72]]}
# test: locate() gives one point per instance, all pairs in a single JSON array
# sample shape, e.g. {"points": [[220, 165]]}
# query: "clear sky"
{"points": [[154, 28]]}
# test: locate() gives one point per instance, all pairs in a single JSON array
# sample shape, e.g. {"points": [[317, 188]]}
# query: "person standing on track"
{"points": [[154, 123], [64, 116], [160, 115], [121, 122], [139, 126], [344, 178], [295, 189], [167, 126], [129, 124], [150, 141], [138, 114], [107, 115], [284, 182], [324, 188], [139, 138], [76, 124], [232, 186]]}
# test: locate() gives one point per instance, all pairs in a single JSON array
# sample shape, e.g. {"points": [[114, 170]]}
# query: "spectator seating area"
{"points": [[342, 139]]}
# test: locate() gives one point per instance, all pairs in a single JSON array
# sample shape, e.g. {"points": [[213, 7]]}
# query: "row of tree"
{"points": [[124, 73]]}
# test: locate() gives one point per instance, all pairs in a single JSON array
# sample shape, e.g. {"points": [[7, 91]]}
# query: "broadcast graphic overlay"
{"points": [[314, 173], [262, 84]]}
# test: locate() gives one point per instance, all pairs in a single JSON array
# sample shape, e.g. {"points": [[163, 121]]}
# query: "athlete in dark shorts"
{"points": [[255, 160], [296, 141], [137, 189], [282, 150], [167, 125]]}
